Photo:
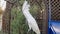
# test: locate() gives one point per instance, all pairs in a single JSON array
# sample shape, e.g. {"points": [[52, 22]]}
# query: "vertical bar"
{"points": [[49, 10], [49, 13]]}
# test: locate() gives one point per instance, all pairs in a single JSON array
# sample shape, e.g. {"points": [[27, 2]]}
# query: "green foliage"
{"points": [[18, 24]]}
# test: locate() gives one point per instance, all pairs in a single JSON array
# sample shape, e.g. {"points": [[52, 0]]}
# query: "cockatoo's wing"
{"points": [[25, 10]]}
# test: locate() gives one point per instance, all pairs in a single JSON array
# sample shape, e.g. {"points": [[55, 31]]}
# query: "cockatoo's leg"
{"points": [[29, 29], [29, 26]]}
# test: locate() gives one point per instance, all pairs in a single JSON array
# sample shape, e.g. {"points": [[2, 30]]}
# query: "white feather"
{"points": [[31, 21]]}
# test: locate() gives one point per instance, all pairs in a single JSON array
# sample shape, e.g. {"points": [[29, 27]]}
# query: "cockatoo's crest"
{"points": [[25, 6]]}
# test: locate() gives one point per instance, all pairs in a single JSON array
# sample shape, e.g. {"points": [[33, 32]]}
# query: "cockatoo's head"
{"points": [[25, 6], [2, 6]]}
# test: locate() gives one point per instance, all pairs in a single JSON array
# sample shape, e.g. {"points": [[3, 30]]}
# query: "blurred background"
{"points": [[14, 21], [46, 13]]}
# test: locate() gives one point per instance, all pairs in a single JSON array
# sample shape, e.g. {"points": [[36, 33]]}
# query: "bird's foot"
{"points": [[28, 31]]}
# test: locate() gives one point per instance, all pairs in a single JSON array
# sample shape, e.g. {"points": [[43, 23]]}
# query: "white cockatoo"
{"points": [[31, 21], [2, 9]]}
